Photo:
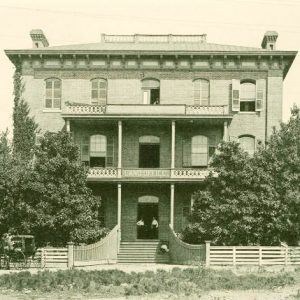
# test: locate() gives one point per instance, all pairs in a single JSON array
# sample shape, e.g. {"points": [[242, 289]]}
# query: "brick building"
{"points": [[148, 112]]}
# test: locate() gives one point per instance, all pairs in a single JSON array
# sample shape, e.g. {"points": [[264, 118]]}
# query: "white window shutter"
{"points": [[235, 95], [260, 94]]}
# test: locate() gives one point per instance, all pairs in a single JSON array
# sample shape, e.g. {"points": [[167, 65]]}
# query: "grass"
{"points": [[118, 283]]}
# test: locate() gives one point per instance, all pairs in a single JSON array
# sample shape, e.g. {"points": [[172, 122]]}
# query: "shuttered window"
{"points": [[235, 95], [201, 92], [260, 94], [53, 93], [99, 91], [247, 143], [199, 151]]}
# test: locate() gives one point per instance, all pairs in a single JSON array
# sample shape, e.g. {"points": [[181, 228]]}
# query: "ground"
{"points": [[285, 293]]}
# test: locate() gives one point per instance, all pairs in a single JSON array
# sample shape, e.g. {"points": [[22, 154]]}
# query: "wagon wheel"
{"points": [[17, 260]]}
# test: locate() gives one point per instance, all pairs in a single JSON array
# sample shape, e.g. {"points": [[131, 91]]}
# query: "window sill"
{"points": [[51, 110], [248, 112]]}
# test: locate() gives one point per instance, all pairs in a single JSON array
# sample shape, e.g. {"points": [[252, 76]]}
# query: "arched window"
{"points": [[98, 149], [53, 93], [201, 92], [247, 143], [199, 151], [248, 96], [99, 91], [151, 91]]}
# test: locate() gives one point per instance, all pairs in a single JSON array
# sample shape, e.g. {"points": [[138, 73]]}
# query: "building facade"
{"points": [[148, 111]]}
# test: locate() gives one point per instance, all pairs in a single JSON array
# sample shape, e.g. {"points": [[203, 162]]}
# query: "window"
{"points": [[53, 93], [247, 143], [151, 91], [201, 92], [149, 151], [99, 91], [199, 151], [248, 96], [98, 150]]}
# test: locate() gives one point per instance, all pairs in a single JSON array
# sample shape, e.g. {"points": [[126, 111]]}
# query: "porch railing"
{"points": [[103, 252], [102, 173], [146, 173], [183, 253], [143, 173], [144, 109]]}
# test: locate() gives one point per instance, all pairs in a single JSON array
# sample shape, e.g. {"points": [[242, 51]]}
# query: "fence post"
{"points": [[207, 253], [234, 255], [286, 256], [43, 261], [70, 254], [260, 256]]}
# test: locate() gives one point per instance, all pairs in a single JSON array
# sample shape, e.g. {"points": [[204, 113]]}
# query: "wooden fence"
{"points": [[251, 255], [183, 253], [103, 252]]}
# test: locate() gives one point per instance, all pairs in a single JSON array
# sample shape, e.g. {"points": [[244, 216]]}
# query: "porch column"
{"points": [[68, 127], [173, 146], [119, 149], [119, 203], [172, 206], [225, 132]]}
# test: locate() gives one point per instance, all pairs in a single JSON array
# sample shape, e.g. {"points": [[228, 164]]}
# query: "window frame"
{"points": [[201, 92], [250, 101], [99, 100], [52, 90], [195, 153], [146, 91]]}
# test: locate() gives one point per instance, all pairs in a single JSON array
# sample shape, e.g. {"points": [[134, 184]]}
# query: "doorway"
{"points": [[146, 213], [149, 156]]}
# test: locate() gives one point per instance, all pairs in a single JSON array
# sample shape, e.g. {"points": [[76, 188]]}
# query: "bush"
{"points": [[116, 283]]}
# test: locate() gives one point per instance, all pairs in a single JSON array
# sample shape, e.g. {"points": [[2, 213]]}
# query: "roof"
{"points": [[168, 47]]}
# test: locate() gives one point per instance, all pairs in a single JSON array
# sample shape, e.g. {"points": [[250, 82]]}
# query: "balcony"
{"points": [[141, 174], [141, 110]]}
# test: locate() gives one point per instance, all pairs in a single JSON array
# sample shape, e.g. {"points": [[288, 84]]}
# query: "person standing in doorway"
{"points": [[154, 228], [141, 228]]}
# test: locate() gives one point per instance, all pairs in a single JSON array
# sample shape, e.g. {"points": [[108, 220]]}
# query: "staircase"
{"points": [[142, 251]]}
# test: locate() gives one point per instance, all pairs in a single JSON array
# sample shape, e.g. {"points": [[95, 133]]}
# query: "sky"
{"points": [[234, 22]]}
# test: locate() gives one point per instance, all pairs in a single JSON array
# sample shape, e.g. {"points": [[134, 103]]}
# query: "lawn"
{"points": [[190, 283]]}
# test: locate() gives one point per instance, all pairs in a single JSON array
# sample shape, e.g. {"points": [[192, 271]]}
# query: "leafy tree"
{"points": [[253, 200], [24, 125], [50, 198]]}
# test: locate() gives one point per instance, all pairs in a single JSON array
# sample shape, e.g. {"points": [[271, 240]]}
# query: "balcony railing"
{"points": [[144, 174], [141, 109], [95, 173]]}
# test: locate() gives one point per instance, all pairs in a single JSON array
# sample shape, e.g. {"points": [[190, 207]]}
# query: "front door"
{"points": [[146, 225]]}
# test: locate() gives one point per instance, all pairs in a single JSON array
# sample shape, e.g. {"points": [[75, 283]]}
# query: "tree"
{"points": [[253, 200], [50, 198], [24, 125]]}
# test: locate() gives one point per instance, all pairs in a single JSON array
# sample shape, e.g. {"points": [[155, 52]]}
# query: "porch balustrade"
{"points": [[189, 173], [102, 173], [134, 173], [180, 110], [146, 173]]}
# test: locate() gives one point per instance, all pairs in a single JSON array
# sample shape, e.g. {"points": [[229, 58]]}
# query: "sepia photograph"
{"points": [[150, 149]]}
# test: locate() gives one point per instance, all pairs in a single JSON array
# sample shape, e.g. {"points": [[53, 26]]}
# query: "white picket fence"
{"points": [[51, 257], [251, 255]]}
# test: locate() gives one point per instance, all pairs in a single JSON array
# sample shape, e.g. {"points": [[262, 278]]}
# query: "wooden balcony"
{"points": [[141, 110], [141, 174]]}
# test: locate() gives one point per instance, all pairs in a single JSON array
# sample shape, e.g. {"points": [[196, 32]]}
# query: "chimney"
{"points": [[39, 40], [269, 40]]}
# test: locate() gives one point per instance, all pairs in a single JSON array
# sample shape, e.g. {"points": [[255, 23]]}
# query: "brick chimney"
{"points": [[269, 40], [39, 40]]}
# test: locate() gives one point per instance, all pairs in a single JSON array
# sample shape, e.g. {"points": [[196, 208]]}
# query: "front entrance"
{"points": [[147, 223]]}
